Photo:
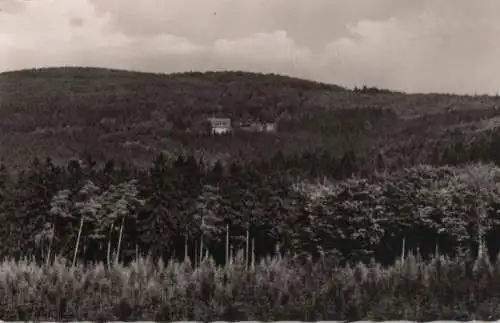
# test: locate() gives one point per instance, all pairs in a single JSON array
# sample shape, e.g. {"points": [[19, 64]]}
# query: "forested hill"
{"points": [[67, 112]]}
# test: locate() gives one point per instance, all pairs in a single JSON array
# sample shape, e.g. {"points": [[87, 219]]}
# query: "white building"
{"points": [[270, 127], [220, 126]]}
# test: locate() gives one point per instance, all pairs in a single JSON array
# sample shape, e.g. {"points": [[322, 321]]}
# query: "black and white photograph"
{"points": [[249, 160]]}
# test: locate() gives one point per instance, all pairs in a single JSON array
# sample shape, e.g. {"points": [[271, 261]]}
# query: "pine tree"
{"points": [[207, 206], [126, 207], [87, 206]]}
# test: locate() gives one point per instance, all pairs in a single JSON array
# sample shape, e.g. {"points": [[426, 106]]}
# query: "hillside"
{"points": [[64, 112], [358, 189]]}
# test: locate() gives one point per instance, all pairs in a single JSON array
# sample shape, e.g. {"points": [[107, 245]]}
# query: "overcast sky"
{"points": [[411, 45]]}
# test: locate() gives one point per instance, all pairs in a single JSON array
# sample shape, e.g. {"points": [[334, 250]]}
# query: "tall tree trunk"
{"points": [[247, 247], [108, 253], [185, 246], [47, 261], [120, 241], [201, 249], [480, 246], [403, 250], [253, 253], [195, 254], [481, 216], [77, 241], [136, 252], [201, 239], [227, 245]]}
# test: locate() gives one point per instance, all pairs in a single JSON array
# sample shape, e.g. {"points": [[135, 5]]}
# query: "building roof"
{"points": [[220, 122], [219, 119]]}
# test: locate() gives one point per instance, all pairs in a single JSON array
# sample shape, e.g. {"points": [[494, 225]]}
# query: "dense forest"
{"points": [[130, 116], [383, 196], [181, 208]]}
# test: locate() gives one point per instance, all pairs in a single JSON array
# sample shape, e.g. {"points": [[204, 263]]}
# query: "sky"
{"points": [[448, 46]]}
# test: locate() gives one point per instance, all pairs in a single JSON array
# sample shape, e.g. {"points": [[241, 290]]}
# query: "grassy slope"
{"points": [[63, 111]]}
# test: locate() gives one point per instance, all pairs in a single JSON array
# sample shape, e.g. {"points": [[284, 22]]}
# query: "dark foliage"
{"points": [[99, 167]]}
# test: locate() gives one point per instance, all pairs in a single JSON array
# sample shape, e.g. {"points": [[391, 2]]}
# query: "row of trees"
{"points": [[183, 208]]}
